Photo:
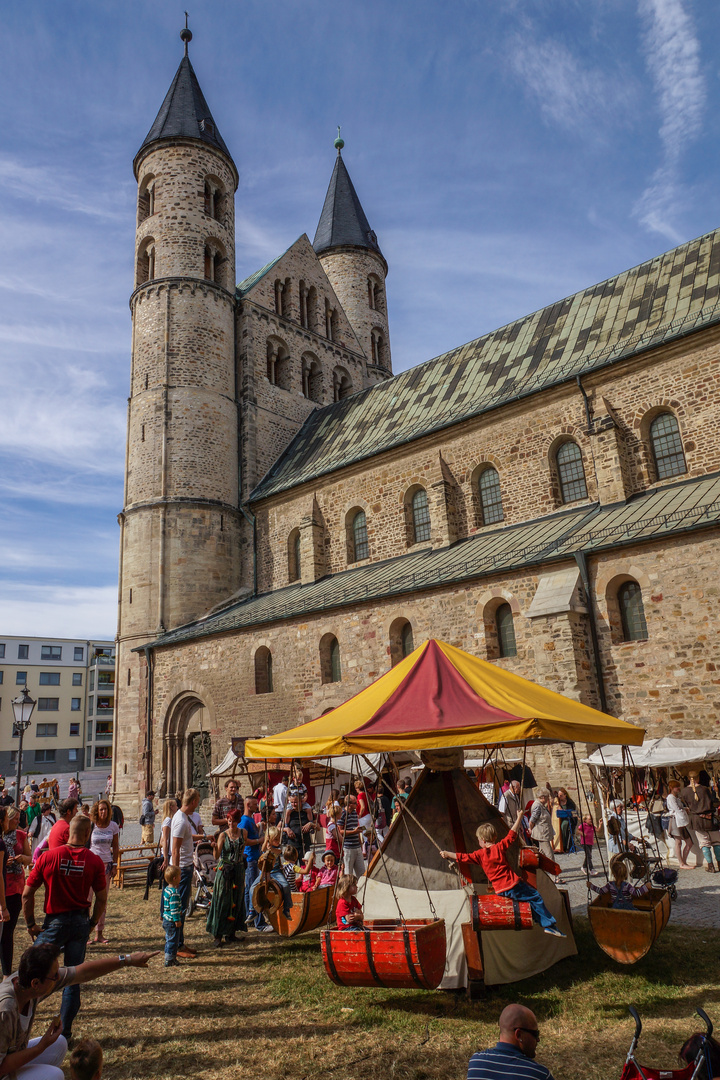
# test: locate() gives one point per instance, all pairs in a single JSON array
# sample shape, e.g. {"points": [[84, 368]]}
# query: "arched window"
{"points": [[632, 612], [215, 263], [375, 295], [294, 564], [311, 309], [505, 631], [330, 659], [379, 352], [214, 198], [401, 640], [278, 365], [263, 671], [667, 447], [146, 199], [489, 496], [358, 546], [571, 473], [331, 322], [312, 380], [342, 384], [146, 261], [420, 516]]}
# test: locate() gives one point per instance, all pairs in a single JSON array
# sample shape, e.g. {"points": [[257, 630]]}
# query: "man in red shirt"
{"points": [[68, 873], [60, 831]]}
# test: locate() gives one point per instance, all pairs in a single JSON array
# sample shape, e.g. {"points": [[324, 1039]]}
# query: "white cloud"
{"points": [[58, 188], [75, 612], [672, 53]]}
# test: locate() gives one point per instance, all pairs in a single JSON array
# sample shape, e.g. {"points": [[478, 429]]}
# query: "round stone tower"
{"points": [[180, 525], [351, 257]]}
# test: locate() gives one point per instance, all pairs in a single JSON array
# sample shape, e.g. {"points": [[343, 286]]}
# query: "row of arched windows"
{"points": [[281, 368], [214, 198], [308, 306], [214, 262]]}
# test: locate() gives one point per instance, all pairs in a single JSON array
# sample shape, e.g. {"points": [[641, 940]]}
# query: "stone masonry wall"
{"points": [[349, 271]]}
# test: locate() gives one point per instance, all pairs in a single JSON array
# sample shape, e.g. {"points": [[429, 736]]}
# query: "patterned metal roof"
{"points": [[659, 301], [682, 507]]}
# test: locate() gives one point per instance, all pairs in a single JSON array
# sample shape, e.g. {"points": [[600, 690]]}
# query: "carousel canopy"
{"points": [[656, 753], [440, 696]]}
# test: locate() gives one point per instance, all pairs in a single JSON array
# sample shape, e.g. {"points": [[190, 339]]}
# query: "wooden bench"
{"points": [[133, 863]]}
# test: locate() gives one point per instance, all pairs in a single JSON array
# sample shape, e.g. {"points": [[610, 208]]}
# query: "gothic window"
{"points": [[667, 447], [294, 556], [330, 659], [146, 199], [505, 631], [342, 384], [146, 261], [489, 496], [401, 640], [420, 516], [263, 671], [358, 546], [571, 473], [632, 612], [312, 380]]}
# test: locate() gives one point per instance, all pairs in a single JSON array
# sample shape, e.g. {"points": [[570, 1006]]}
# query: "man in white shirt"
{"points": [[509, 803], [280, 794], [181, 854]]}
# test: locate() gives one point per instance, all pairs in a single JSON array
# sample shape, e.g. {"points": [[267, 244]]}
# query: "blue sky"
{"points": [[507, 153]]}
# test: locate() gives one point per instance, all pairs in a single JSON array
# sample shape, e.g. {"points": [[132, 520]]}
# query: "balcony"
{"points": [[104, 738], [105, 713], [103, 661]]}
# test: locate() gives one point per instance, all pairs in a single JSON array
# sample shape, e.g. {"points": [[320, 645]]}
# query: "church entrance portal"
{"points": [[187, 747]]}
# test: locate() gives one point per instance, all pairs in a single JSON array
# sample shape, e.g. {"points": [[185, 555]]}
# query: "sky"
{"points": [[507, 153]]}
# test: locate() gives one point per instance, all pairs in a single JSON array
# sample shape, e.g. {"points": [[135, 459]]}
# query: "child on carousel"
{"points": [[491, 855], [348, 911]]}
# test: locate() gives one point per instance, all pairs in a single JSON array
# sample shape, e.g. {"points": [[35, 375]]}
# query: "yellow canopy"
{"points": [[440, 696]]}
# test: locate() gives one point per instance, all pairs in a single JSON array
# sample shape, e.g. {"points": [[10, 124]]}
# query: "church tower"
{"points": [[180, 525], [351, 257]]}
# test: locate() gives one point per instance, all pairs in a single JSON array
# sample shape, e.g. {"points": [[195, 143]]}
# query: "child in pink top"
{"points": [[328, 875], [587, 839]]}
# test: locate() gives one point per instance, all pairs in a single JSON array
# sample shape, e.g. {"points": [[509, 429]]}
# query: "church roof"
{"points": [[342, 221], [678, 508], [654, 303], [185, 113]]}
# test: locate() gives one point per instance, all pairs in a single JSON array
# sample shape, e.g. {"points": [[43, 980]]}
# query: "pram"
{"points": [[203, 877], [665, 878], [634, 1071]]}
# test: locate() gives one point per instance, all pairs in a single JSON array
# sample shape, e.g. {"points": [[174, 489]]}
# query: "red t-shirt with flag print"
{"points": [[68, 873]]}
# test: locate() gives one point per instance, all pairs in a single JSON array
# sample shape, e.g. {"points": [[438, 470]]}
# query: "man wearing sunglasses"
{"points": [[513, 1056]]}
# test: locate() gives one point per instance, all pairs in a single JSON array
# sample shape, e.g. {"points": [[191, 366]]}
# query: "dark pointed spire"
{"points": [[343, 222], [184, 112]]}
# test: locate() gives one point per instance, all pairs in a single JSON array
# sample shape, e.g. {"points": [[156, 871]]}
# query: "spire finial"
{"points": [[186, 34], [339, 143]]}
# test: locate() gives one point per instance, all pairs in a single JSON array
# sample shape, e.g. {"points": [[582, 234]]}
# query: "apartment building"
{"points": [[73, 683]]}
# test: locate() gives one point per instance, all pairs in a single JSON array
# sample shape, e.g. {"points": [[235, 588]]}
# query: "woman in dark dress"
{"points": [[227, 909]]}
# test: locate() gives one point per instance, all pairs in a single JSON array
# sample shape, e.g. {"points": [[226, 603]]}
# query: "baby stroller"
{"points": [[634, 1071], [203, 877], [665, 878]]}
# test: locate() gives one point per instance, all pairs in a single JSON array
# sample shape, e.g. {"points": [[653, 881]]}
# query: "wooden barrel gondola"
{"points": [[387, 952], [499, 913], [309, 910], [627, 936]]}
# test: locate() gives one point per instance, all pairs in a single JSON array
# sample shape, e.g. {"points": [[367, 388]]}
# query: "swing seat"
{"points": [[266, 897], [499, 913], [627, 936], [387, 952], [309, 910], [530, 859]]}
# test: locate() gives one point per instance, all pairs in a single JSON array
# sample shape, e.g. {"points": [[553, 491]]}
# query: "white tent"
{"points": [[657, 753]]}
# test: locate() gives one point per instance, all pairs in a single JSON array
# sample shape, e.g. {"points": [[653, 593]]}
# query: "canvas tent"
{"points": [[658, 753]]}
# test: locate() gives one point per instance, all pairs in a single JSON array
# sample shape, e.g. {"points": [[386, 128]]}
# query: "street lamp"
{"points": [[23, 708]]}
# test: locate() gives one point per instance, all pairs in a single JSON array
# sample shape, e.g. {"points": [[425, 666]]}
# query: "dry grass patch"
{"points": [[266, 1009]]}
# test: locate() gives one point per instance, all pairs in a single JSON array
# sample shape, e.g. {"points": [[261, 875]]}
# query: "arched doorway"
{"points": [[187, 746]]}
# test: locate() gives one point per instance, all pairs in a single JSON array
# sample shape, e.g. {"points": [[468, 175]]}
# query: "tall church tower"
{"points": [[180, 525], [351, 257]]}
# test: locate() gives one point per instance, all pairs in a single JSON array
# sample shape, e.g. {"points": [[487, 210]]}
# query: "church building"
{"points": [[297, 519]]}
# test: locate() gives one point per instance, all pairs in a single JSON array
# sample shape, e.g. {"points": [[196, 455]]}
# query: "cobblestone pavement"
{"points": [[698, 899]]}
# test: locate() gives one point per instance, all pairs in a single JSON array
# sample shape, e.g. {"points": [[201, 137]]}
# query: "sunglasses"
{"points": [[530, 1031]]}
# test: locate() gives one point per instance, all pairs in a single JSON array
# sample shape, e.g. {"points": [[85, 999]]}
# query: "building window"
{"points": [[106, 678], [2, 674], [103, 729], [146, 199], [77, 678], [45, 731], [92, 680], [420, 516], [49, 678], [213, 204], [375, 296], [75, 704], [330, 659], [359, 546], [401, 641], [667, 447], [103, 753], [331, 322], [342, 384], [13, 757], [278, 365], [632, 612], [263, 671], [74, 729], [20, 678], [73, 755], [23, 652], [312, 380], [505, 631], [377, 344], [91, 705], [44, 756], [79, 653], [490, 496], [145, 270], [294, 564], [2, 651], [51, 652], [571, 473], [48, 704], [88, 758]]}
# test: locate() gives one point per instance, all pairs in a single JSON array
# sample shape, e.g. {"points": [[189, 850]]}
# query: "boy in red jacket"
{"points": [[502, 877]]}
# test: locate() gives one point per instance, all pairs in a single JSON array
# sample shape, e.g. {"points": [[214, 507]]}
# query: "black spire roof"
{"points": [[185, 113], [343, 222]]}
